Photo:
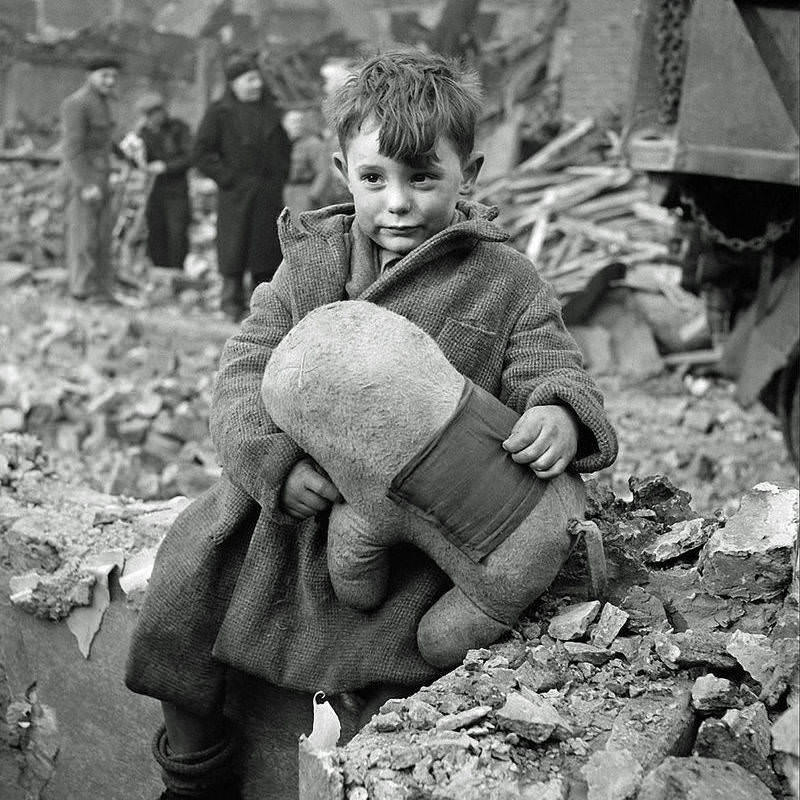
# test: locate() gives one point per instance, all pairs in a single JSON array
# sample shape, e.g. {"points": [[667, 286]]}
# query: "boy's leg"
{"points": [[195, 754]]}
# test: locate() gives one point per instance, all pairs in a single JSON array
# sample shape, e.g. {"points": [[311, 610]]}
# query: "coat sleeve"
{"points": [[206, 155], [76, 126], [543, 366], [254, 453]]}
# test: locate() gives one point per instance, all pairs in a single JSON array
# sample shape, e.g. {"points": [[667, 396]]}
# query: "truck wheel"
{"points": [[789, 409]]}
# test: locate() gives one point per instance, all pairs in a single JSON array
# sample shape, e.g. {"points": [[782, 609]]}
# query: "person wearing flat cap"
{"points": [[167, 149], [88, 128], [242, 145]]}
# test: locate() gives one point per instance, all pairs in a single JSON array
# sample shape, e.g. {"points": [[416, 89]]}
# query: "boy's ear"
{"points": [[341, 165], [470, 172]]}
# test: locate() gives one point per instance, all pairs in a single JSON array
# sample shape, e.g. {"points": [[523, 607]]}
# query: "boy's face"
{"points": [[399, 205]]}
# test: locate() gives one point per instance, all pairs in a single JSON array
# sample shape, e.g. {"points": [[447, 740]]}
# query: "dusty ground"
{"points": [[121, 395], [119, 398]]}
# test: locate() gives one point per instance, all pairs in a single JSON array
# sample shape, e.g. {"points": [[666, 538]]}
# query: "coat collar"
{"points": [[324, 237]]}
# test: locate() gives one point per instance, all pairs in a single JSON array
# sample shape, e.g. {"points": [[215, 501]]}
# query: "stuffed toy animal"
{"points": [[415, 450]]}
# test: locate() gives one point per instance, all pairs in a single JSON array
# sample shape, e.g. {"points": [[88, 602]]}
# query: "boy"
{"points": [[241, 582]]}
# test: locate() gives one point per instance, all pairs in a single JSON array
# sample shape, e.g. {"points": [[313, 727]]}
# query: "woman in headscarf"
{"points": [[243, 147]]}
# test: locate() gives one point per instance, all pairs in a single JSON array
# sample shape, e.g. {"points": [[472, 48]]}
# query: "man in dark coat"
{"points": [[242, 145], [167, 144], [87, 145]]}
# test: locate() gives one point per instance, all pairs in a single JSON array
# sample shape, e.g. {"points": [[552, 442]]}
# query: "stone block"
{"points": [[711, 693], [645, 611], [694, 649], [751, 723], [612, 775], [716, 739], [532, 717], [543, 670], [581, 653], [697, 778], [752, 556], [657, 493], [574, 621], [655, 725], [612, 621], [463, 719], [681, 538], [755, 653]]}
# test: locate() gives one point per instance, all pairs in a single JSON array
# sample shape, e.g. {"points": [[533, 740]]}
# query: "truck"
{"points": [[713, 120]]}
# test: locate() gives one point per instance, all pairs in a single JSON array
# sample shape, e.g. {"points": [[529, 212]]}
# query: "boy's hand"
{"points": [[546, 438], [307, 492]]}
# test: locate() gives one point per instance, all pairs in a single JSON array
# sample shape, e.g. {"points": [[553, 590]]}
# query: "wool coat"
{"points": [[168, 211], [88, 128], [245, 150], [238, 582]]}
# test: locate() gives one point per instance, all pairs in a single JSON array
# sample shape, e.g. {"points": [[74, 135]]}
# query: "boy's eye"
{"points": [[371, 177], [421, 177]]}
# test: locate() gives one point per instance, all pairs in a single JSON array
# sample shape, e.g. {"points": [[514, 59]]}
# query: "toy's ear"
{"points": [[470, 172]]}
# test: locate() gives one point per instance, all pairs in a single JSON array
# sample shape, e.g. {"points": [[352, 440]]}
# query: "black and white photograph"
{"points": [[399, 399]]}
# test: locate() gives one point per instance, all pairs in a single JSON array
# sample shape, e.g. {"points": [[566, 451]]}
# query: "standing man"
{"points": [[167, 147], [242, 145], [87, 145]]}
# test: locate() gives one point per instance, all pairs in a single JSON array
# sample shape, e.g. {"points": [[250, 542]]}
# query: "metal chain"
{"points": [[774, 231], [670, 55]]}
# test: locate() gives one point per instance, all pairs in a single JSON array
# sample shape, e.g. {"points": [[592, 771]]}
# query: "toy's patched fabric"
{"points": [[464, 483]]}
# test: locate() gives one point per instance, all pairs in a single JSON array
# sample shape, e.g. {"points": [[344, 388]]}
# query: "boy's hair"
{"points": [[415, 97]]}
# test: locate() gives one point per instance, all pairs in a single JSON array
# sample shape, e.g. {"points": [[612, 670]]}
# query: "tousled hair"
{"points": [[414, 97]]}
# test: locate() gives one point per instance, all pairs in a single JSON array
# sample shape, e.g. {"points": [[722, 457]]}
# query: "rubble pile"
{"points": [[32, 243], [122, 401], [31, 218], [574, 209], [58, 537], [681, 682], [698, 434], [610, 253]]}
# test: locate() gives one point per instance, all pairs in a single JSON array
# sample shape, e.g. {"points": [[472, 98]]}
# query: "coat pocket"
{"points": [[465, 345]]}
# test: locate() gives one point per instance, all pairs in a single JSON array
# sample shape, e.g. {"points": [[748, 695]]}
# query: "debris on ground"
{"points": [[630, 698], [61, 541]]}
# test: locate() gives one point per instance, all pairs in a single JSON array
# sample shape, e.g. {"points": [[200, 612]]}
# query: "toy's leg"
{"points": [[453, 626], [358, 564], [516, 573]]}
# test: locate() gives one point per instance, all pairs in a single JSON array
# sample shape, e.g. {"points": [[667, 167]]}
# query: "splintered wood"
{"points": [[573, 208]]}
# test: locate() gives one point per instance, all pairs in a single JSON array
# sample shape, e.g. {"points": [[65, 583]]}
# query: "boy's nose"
{"points": [[398, 200]]}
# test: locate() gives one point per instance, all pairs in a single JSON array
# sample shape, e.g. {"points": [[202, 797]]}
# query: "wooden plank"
{"points": [[540, 159]]}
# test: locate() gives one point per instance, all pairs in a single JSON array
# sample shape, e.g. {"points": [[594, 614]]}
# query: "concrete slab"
{"points": [[105, 729]]}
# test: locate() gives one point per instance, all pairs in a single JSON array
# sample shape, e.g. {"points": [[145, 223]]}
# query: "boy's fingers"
{"points": [[298, 510], [547, 459], [522, 434], [321, 485], [314, 501], [533, 451], [556, 469]]}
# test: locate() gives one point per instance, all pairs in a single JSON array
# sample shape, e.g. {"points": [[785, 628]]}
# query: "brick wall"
{"points": [[601, 36]]}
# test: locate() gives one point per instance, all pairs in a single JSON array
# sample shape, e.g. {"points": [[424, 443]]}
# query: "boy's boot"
{"points": [[204, 775], [232, 301]]}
